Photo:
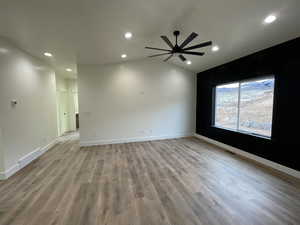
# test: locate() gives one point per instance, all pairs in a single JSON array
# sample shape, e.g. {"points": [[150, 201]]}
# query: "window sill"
{"points": [[243, 132]]}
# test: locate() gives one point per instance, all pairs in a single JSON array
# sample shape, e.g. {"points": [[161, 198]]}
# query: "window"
{"points": [[245, 106]]}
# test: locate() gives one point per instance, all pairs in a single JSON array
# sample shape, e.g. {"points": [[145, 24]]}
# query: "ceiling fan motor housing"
{"points": [[176, 32]]}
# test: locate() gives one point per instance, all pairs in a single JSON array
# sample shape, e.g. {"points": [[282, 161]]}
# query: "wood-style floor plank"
{"points": [[168, 182]]}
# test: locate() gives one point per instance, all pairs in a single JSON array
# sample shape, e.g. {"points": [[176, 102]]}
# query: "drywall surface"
{"points": [[30, 123], [61, 82], [1, 152], [137, 100]]}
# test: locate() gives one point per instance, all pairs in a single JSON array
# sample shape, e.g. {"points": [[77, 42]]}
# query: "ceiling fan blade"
{"points": [[166, 39], [159, 54], [193, 53], [188, 39], [160, 49], [169, 57], [182, 57], [204, 44]]}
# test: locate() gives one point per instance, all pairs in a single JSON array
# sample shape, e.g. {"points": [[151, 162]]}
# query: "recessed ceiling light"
{"points": [[215, 48], [188, 62], [123, 56], [128, 35], [48, 54], [69, 70], [270, 19]]}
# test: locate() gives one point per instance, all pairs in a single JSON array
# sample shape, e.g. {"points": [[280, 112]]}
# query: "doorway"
{"points": [[67, 105], [62, 105]]}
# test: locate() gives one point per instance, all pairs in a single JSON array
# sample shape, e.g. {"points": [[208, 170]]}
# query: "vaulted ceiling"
{"points": [[92, 31]]}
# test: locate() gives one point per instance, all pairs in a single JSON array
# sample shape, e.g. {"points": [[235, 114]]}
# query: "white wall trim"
{"points": [[12, 170], [245, 154], [25, 160], [129, 140]]}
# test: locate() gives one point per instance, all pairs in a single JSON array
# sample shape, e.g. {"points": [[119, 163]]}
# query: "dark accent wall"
{"points": [[283, 61]]}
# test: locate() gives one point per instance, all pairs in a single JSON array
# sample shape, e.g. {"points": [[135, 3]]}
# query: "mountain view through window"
{"points": [[245, 106]]}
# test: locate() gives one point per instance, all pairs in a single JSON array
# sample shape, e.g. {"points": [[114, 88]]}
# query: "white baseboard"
{"points": [[129, 140], [245, 154], [12, 170], [25, 160]]}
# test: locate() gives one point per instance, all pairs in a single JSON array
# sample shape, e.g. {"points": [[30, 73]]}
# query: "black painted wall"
{"points": [[282, 61]]}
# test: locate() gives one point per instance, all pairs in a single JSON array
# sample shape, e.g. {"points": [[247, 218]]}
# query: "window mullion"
{"points": [[239, 102]]}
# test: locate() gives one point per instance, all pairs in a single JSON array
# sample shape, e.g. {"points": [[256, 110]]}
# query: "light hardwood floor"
{"points": [[170, 182]]}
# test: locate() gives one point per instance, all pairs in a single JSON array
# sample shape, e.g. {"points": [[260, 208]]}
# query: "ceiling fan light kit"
{"points": [[181, 49]]}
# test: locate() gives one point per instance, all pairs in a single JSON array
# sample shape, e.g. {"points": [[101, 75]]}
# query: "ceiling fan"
{"points": [[180, 49]]}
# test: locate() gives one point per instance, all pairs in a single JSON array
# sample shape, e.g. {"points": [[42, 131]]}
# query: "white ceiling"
{"points": [[91, 31]]}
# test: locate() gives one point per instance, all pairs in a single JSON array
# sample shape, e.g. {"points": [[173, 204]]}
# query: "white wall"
{"points": [[137, 100], [30, 124], [1, 152], [61, 82]]}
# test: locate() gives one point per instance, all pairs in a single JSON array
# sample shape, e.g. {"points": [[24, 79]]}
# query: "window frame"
{"points": [[238, 114]]}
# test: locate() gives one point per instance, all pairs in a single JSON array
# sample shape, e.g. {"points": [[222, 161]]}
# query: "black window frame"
{"points": [[242, 81]]}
